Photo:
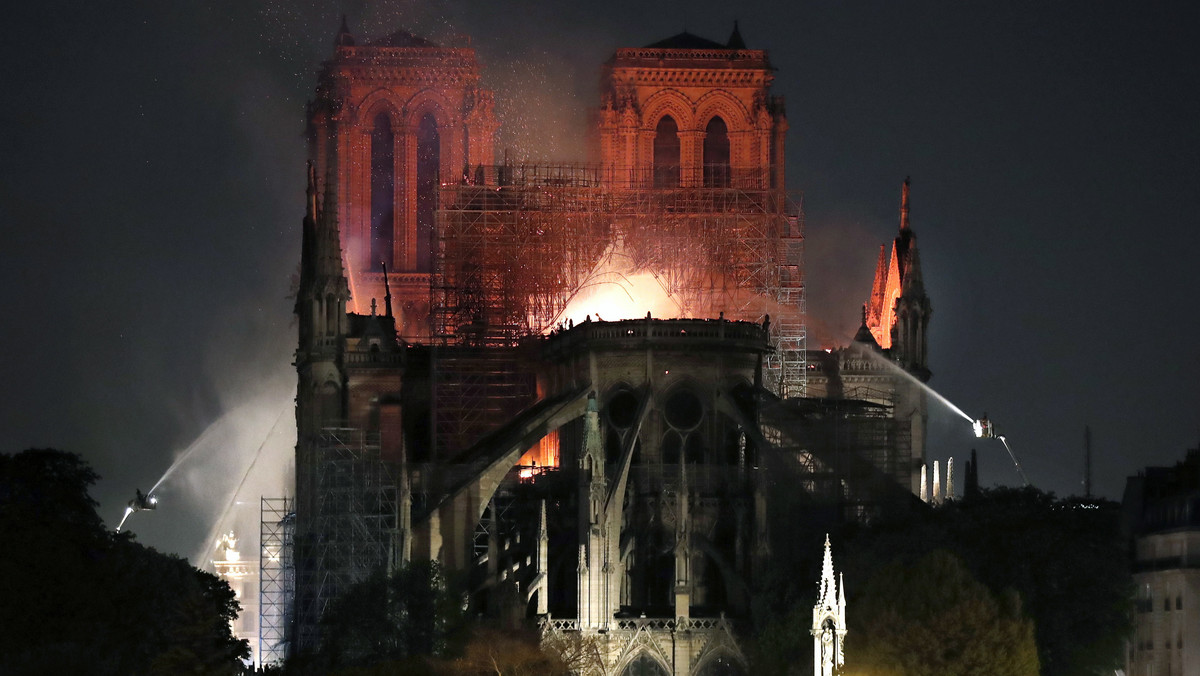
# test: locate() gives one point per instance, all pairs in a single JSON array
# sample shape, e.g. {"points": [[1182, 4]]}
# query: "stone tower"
{"points": [[690, 112], [393, 119], [321, 311]]}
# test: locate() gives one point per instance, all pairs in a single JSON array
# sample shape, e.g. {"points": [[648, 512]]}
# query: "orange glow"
{"points": [[883, 335], [617, 289], [545, 453], [349, 269], [615, 296]]}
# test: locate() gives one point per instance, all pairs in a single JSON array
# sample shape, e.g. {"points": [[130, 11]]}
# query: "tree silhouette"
{"points": [[79, 599], [932, 618]]}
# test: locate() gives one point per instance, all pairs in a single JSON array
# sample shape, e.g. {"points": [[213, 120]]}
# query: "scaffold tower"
{"points": [[346, 521], [519, 243]]}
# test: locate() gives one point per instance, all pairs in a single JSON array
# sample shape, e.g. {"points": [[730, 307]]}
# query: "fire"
{"points": [[613, 296], [545, 453]]}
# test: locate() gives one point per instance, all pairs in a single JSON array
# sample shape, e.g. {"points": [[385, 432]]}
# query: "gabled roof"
{"points": [[686, 40]]}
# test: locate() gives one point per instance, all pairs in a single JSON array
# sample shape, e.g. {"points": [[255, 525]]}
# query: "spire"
{"points": [[905, 239], [924, 484], [735, 38], [592, 446], [328, 240], [311, 193], [864, 334], [344, 38], [829, 620], [878, 287], [321, 270], [543, 531], [828, 586], [914, 282], [950, 478]]}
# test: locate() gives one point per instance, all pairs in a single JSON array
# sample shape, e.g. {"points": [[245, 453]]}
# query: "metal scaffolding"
{"points": [[346, 521], [848, 452], [276, 578], [515, 246]]}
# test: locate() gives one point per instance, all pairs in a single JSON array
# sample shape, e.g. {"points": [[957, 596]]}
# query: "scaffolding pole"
{"points": [[347, 524], [276, 579], [514, 248]]}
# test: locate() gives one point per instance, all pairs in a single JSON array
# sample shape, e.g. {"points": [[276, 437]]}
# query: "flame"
{"points": [[545, 453], [617, 289], [619, 296]]}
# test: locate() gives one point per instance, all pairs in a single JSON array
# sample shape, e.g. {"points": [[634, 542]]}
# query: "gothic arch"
{"points": [[642, 663], [720, 103], [379, 101], [430, 102], [668, 102], [720, 662]]}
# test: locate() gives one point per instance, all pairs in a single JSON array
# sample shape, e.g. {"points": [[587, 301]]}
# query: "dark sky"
{"points": [[152, 191]]}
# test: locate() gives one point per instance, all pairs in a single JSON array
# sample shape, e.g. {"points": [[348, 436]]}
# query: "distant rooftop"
{"points": [[401, 38], [686, 40]]}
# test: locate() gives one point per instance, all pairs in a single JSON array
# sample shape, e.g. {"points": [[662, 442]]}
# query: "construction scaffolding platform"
{"points": [[347, 521], [852, 453], [276, 579], [518, 243], [475, 390]]}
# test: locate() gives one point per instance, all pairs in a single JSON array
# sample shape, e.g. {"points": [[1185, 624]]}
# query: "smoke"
{"points": [[839, 263], [616, 289], [209, 487]]}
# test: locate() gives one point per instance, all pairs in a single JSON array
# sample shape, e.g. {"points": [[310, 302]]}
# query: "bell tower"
{"points": [[691, 112], [393, 120]]}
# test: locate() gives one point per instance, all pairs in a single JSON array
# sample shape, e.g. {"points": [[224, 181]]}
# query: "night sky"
{"points": [[152, 192]]}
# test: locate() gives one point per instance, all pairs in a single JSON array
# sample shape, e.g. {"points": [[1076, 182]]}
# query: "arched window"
{"points": [[644, 665], [428, 177], [666, 153], [383, 192], [716, 154]]}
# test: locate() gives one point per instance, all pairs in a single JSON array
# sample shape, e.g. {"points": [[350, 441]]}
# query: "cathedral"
{"points": [[582, 386]]}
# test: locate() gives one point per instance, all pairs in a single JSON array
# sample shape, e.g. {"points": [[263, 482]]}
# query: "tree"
{"points": [[933, 618], [414, 612], [79, 599], [578, 653], [506, 653], [1065, 558]]}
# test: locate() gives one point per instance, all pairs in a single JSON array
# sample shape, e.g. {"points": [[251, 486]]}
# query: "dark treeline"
{"points": [[1058, 565], [79, 599]]}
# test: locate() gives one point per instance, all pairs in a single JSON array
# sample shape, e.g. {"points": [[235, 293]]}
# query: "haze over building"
{"points": [[583, 386]]}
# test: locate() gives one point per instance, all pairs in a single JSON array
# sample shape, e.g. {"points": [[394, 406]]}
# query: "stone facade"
{"points": [[608, 479], [687, 111], [1162, 508], [242, 576], [393, 119]]}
